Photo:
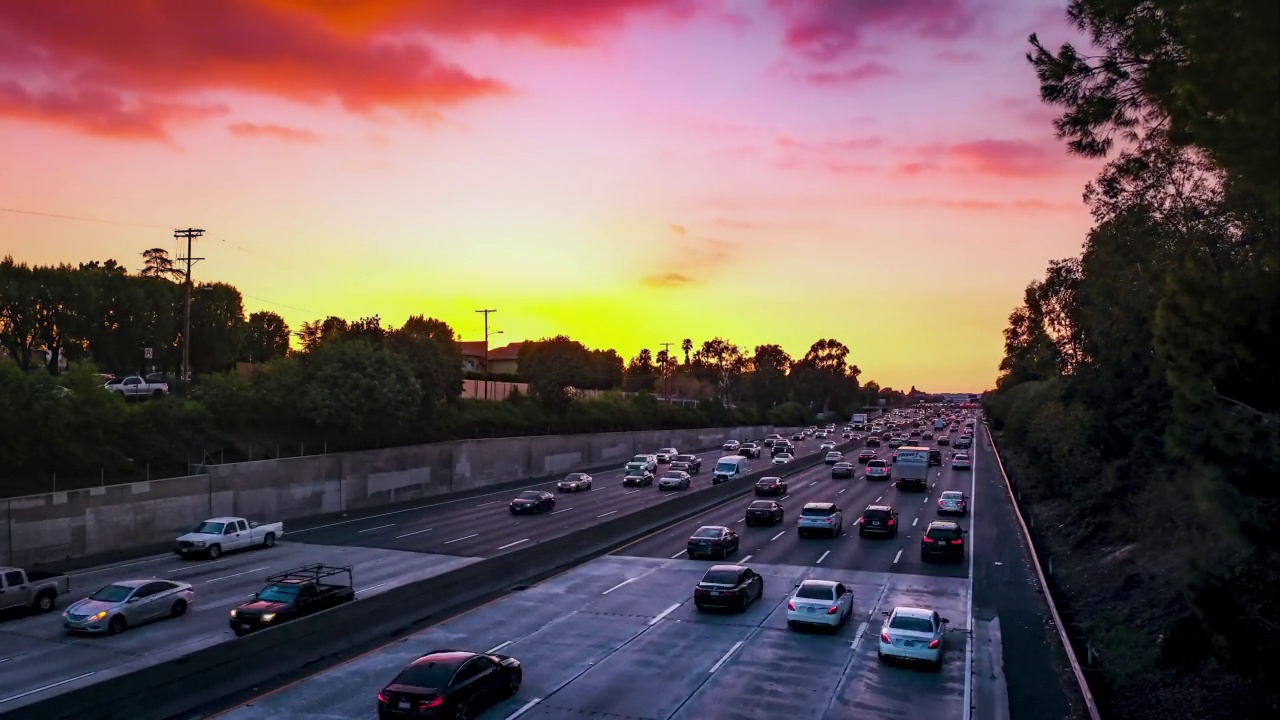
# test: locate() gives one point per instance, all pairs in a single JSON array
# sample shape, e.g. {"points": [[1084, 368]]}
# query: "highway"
{"points": [[386, 549], [619, 638]]}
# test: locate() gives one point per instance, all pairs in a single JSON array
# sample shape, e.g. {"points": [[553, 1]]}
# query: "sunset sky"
{"points": [[627, 172]]}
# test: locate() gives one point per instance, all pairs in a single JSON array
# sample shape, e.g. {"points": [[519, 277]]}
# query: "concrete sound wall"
{"points": [[61, 525]]}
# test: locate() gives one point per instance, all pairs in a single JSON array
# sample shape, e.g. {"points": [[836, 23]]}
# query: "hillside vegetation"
{"points": [[1139, 401]]}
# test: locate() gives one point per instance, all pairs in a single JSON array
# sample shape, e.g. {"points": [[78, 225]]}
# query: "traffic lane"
{"points": [[379, 530], [619, 637], [42, 655], [489, 528]]}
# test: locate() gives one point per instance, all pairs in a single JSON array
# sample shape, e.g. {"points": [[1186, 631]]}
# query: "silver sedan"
{"points": [[117, 607]]}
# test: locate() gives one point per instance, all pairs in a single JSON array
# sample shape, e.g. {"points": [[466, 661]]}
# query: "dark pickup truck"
{"points": [[290, 595]]}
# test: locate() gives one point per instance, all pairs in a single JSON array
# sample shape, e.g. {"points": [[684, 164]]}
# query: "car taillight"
{"points": [[884, 638], [934, 645], [861, 520], [927, 539], [432, 703], [891, 521], [958, 541], [383, 698], [791, 605], [828, 520], [833, 609]]}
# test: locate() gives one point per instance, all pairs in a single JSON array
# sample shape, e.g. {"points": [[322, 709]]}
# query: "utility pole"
{"points": [[486, 350], [666, 358], [189, 235]]}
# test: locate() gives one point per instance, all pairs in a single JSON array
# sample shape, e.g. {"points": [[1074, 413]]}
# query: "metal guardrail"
{"points": [[1090, 705]]}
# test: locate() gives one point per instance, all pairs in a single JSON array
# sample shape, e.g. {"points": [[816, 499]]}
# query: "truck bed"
{"points": [[39, 576]]}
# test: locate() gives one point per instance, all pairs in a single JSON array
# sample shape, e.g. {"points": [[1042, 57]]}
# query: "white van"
{"points": [[730, 467]]}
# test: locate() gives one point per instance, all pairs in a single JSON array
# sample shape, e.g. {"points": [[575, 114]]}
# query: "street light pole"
{"points": [[486, 350], [189, 234]]}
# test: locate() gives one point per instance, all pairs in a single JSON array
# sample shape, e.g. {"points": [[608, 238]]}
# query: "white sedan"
{"points": [[913, 634], [783, 458], [820, 602], [827, 445], [961, 462]]}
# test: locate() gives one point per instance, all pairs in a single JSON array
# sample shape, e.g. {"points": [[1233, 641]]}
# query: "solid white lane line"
{"points": [[557, 512], [631, 492], [606, 514], [913, 522], [775, 537], [823, 556], [246, 572], [380, 527], [201, 565], [373, 587], [491, 502], [725, 658], [497, 647], [746, 558], [615, 587], [511, 545], [897, 557], [857, 636], [524, 708], [42, 688], [109, 568], [682, 553], [415, 532], [465, 537], [664, 613]]}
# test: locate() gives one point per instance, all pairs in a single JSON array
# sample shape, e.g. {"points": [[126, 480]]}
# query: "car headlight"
{"points": [[98, 616], [235, 613], [199, 543], [268, 617]]}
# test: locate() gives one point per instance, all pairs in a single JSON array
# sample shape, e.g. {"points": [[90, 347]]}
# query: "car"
{"points": [[943, 540], [691, 464], [750, 450], [674, 480], [712, 541], [878, 520], [878, 470], [666, 455], [897, 441], [644, 480], [647, 463], [820, 517], [842, 470], [574, 482], [114, 608], [873, 441], [449, 684], [820, 602], [913, 634], [834, 457], [893, 457], [531, 502], [798, 437], [821, 435], [730, 587], [291, 595], [961, 461], [944, 439], [927, 435], [953, 502], [764, 512], [846, 435], [771, 486], [962, 443], [866, 456], [827, 445], [783, 458], [731, 446], [780, 448], [219, 535], [935, 457]]}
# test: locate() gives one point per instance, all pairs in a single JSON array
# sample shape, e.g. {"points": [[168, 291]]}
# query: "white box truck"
{"points": [[859, 421], [911, 468]]}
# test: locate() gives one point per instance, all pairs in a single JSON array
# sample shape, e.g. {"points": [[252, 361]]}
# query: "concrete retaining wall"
{"points": [[62, 525]]}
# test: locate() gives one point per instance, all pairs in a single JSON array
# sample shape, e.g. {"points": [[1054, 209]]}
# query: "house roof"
{"points": [[474, 348], [510, 351]]}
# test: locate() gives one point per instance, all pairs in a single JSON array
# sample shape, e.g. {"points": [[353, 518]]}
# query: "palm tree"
{"points": [[687, 346]]}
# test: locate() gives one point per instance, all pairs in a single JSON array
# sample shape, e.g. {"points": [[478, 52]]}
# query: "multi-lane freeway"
{"points": [[385, 548], [619, 637]]}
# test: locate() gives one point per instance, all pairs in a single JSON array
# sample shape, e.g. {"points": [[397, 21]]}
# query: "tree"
{"points": [[687, 346], [217, 327], [354, 387], [823, 377], [158, 264], [770, 365], [58, 310], [266, 337], [433, 353], [18, 312], [641, 373], [313, 333], [720, 362], [552, 367]]}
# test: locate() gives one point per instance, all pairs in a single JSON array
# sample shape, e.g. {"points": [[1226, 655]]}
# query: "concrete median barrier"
{"points": [[196, 680]]}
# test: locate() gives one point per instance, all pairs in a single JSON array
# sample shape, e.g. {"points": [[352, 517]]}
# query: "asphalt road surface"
{"points": [[39, 659]]}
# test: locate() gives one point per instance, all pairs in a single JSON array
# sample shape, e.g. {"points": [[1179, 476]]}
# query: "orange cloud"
{"points": [[129, 68], [667, 280], [268, 130], [678, 229]]}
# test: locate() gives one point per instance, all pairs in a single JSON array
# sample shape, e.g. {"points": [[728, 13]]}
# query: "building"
{"points": [[472, 356], [503, 360]]}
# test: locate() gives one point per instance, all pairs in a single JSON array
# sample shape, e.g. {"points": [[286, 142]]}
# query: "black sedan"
{"points": [[691, 464], [873, 441], [449, 684], [712, 541], [764, 512], [645, 480], [771, 486], [730, 587], [533, 501], [942, 540], [842, 470]]}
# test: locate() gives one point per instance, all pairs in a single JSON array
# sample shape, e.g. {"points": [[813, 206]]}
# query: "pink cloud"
{"points": [[993, 205], [999, 158], [738, 224], [268, 130], [959, 57], [1029, 110], [861, 73], [100, 111], [823, 30]]}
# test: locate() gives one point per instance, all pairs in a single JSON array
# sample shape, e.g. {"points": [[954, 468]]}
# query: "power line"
{"points": [[79, 218], [290, 307]]}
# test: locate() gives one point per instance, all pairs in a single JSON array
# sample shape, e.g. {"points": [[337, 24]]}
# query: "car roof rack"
{"points": [[310, 573]]}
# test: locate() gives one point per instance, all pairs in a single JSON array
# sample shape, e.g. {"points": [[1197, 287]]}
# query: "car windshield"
{"points": [[210, 528], [877, 464], [911, 624], [529, 495], [721, 577], [112, 594], [667, 451], [639, 459], [279, 593], [942, 533], [571, 477], [952, 495], [816, 512], [677, 475], [761, 505], [809, 591], [784, 456], [685, 458], [727, 467], [707, 532], [427, 675]]}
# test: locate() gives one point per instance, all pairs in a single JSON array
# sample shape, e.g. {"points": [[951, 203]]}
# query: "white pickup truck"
{"points": [[135, 387], [37, 591], [226, 534]]}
